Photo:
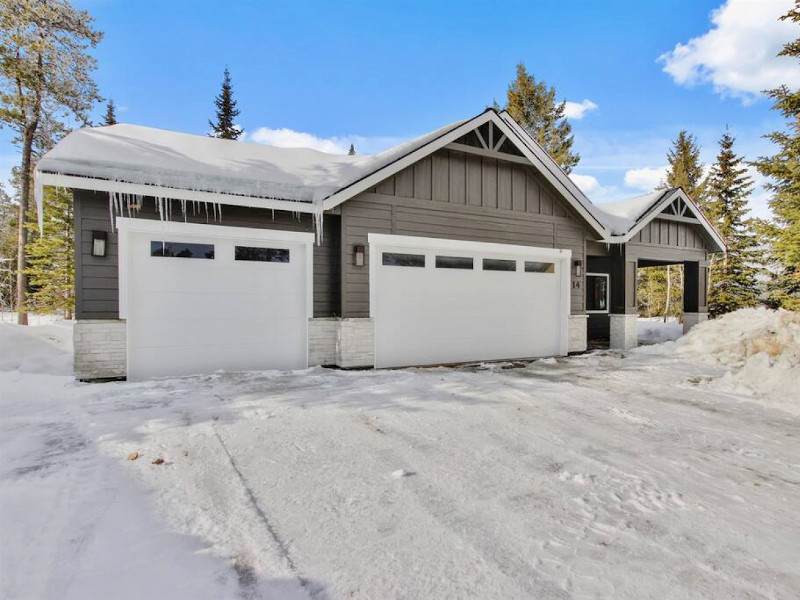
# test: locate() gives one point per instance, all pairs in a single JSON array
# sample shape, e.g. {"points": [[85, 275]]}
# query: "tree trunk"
{"points": [[669, 290], [22, 236]]}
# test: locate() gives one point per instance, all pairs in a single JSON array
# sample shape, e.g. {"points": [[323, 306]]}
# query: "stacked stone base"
{"points": [[622, 331], [100, 349], [578, 333], [347, 343]]}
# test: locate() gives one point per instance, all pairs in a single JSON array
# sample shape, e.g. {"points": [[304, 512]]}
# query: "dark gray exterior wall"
{"points": [[96, 279], [457, 195]]}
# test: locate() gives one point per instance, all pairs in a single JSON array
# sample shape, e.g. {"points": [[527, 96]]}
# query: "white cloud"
{"points": [[577, 110], [645, 179], [289, 138], [737, 56], [587, 183], [591, 186]]}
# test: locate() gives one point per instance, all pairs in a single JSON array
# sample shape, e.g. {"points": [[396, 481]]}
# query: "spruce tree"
{"points": [[110, 118], [783, 171], [533, 105], [45, 72], [733, 275], [225, 128], [352, 150], [685, 169], [51, 257]]}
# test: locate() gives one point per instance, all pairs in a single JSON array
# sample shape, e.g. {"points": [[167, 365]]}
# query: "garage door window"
{"points": [[539, 267], [252, 253], [182, 250], [497, 264], [453, 262], [396, 259]]}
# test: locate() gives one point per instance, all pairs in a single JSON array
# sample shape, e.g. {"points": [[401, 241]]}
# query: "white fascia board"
{"points": [[410, 241], [406, 161], [126, 226], [658, 209], [552, 172], [122, 187]]}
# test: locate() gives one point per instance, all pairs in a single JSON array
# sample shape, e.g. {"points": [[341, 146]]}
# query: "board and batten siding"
{"points": [[457, 195], [97, 281]]}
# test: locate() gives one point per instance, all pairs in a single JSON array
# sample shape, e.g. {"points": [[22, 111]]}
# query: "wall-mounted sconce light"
{"points": [[99, 243], [578, 268], [359, 252]]}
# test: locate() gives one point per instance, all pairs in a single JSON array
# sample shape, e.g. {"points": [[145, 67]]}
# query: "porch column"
{"points": [[623, 313], [695, 286]]}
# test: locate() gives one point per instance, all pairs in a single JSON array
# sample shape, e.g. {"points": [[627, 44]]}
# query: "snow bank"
{"points": [[655, 330], [44, 349], [761, 348]]}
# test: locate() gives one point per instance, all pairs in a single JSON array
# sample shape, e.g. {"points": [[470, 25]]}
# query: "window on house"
{"points": [[454, 262], [539, 267], [498, 264], [596, 293], [253, 253], [396, 259], [182, 250]]}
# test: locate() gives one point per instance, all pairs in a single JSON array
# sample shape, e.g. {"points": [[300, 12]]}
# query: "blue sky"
{"points": [[377, 73]]}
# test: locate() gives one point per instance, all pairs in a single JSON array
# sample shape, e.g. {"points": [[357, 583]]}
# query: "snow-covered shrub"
{"points": [[761, 347]]}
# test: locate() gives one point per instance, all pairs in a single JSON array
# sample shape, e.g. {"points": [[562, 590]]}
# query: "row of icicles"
{"points": [[128, 205]]}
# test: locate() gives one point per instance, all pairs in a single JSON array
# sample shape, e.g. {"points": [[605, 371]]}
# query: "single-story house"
{"points": [[195, 254]]}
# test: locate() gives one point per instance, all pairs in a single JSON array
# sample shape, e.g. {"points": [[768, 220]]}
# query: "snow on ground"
{"points": [[655, 330], [621, 475]]}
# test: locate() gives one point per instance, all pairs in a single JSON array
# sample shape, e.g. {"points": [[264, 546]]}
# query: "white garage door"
{"points": [[446, 301], [199, 298]]}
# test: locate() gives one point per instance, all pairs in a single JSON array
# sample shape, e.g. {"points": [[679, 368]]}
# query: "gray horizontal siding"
{"points": [[97, 281]]}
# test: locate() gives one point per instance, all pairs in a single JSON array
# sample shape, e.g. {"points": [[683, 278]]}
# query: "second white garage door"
{"points": [[199, 298], [446, 301]]}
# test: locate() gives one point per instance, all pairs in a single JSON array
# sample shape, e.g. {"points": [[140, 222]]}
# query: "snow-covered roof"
{"points": [[620, 217], [168, 159], [131, 159]]}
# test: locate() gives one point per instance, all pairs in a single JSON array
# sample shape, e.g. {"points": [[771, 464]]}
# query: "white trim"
{"points": [[552, 172], [122, 187], [608, 293], [406, 161], [538, 158], [126, 226], [564, 256]]}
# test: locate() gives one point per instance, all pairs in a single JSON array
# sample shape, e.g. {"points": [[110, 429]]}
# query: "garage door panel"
{"points": [[430, 315], [163, 362], [222, 332], [196, 315]]}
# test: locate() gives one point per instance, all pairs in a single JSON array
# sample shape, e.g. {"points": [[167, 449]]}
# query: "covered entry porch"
{"points": [[612, 301]]}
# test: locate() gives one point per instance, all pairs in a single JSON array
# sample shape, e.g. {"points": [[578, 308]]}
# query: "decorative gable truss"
{"points": [[675, 205]]}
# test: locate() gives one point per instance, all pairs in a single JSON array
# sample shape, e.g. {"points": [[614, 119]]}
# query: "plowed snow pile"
{"points": [[761, 348]]}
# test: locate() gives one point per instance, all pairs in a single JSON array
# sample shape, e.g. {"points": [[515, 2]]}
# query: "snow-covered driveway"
{"points": [[607, 475]]}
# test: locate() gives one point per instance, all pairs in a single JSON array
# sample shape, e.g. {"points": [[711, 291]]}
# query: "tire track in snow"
{"points": [[280, 543]]}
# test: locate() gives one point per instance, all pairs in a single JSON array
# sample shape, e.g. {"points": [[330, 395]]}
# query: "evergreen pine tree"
{"points": [[685, 169], [783, 171], [532, 104], [225, 128], [733, 276], [110, 118], [352, 150], [51, 258], [45, 74]]}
